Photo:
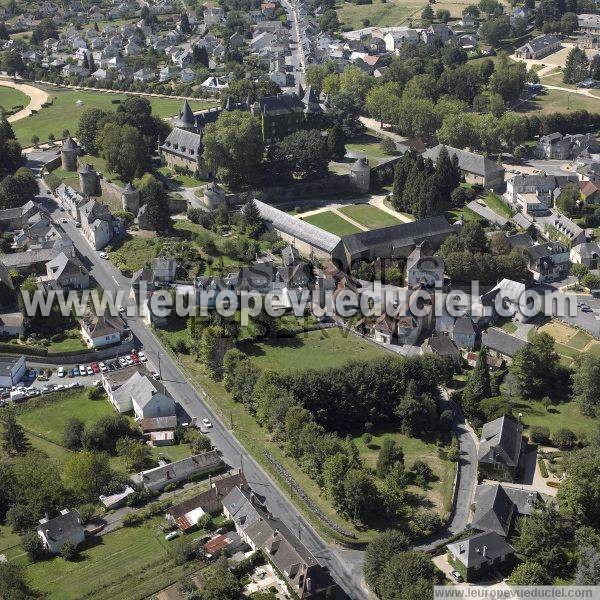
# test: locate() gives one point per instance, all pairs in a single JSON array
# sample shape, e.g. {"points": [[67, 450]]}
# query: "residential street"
{"points": [[192, 402]]}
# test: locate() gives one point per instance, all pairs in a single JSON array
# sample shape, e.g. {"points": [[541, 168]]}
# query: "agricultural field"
{"points": [[64, 112], [129, 563], [10, 97], [331, 222], [369, 216], [379, 14]]}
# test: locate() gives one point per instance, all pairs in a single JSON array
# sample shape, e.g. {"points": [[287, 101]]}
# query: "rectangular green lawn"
{"points": [[498, 205], [369, 216], [65, 112], [562, 415], [331, 222], [559, 101], [378, 13], [322, 349]]}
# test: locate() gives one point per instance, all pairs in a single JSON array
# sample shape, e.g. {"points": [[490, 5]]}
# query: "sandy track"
{"points": [[37, 97]]}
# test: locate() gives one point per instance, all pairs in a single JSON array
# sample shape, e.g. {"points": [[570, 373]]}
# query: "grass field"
{"points": [[10, 97], [183, 180], [496, 204], [562, 415], [558, 101], [331, 222], [49, 419], [311, 350], [369, 216], [369, 145], [130, 563], [64, 112], [380, 14]]}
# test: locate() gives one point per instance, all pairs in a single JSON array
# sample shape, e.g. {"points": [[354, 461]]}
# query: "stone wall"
{"points": [[111, 193]]}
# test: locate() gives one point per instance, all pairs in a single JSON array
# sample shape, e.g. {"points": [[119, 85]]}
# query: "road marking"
{"points": [[115, 280]]}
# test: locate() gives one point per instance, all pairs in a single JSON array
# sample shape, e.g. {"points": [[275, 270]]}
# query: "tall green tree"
{"points": [[389, 454], [14, 440], [379, 553], [576, 66], [336, 142], [586, 384], [124, 149], [477, 387], [233, 146], [154, 196]]}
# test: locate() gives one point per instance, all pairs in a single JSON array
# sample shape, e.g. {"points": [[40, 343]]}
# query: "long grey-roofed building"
{"points": [[397, 240], [477, 168], [306, 238]]}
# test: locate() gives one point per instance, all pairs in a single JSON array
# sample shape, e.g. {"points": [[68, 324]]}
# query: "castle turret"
{"points": [[88, 180], [360, 175], [186, 119], [130, 198], [68, 154]]}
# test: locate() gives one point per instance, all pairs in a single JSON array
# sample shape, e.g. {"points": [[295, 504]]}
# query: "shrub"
{"points": [[543, 469], [367, 438], [564, 438], [32, 543], [181, 551], [95, 393], [87, 512], [132, 519], [206, 523], [539, 434], [69, 551]]}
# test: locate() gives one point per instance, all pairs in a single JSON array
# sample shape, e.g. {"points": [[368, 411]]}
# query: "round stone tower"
{"points": [[360, 175], [130, 198], [68, 155], [88, 180]]}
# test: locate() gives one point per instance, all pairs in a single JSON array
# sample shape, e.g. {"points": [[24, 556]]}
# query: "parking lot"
{"points": [[39, 381]]}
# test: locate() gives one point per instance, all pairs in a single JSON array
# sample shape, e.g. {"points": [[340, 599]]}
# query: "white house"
{"points": [[12, 370], [55, 533], [102, 331]]}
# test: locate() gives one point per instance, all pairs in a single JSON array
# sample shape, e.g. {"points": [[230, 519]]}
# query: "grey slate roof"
{"points": [[546, 249], [494, 509], [464, 326], [31, 257], [186, 116], [186, 144], [470, 551], [403, 234], [501, 441], [502, 342], [295, 227], [63, 526], [182, 468], [467, 161]]}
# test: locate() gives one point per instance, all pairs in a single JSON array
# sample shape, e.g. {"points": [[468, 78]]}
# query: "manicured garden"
{"points": [[369, 216], [64, 112], [331, 222], [570, 342]]}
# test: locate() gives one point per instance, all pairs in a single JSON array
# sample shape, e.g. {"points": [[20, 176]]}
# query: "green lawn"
{"points": [[563, 415], [49, 417], [130, 563], [466, 214], [369, 216], [10, 97], [323, 349], [185, 181], [72, 341], [369, 145], [558, 101], [64, 112], [331, 222], [381, 14], [495, 203]]}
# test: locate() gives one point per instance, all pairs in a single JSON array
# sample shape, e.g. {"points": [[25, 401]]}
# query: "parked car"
{"points": [[142, 356], [89, 370], [155, 375], [103, 255], [456, 576], [61, 371], [207, 423], [171, 535], [75, 372], [103, 367], [82, 370], [134, 358], [122, 361], [95, 367]]}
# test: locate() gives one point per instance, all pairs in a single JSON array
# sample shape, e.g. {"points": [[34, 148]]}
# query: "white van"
{"points": [[17, 395], [61, 371]]}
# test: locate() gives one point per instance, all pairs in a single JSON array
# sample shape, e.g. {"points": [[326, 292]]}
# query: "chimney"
{"points": [[168, 473], [484, 553], [461, 548]]}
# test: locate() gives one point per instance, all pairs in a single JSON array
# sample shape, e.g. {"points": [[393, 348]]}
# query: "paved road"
{"points": [[191, 400], [467, 477], [297, 59]]}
